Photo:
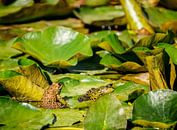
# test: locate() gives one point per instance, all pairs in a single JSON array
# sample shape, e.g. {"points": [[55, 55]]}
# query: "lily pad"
{"points": [[26, 84], [106, 113], [75, 86], [67, 117], [130, 90], [16, 115], [156, 109], [103, 13], [6, 50], [55, 46]]}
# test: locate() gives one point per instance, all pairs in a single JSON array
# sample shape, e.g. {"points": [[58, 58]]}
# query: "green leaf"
{"points": [[159, 16], [75, 85], [20, 116], [110, 61], [10, 31], [67, 117], [106, 113], [6, 50], [171, 51], [15, 7], [129, 90], [156, 109], [55, 46], [8, 64], [38, 10], [104, 13]]}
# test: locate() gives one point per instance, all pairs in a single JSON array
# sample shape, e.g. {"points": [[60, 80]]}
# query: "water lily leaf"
{"points": [[8, 64], [78, 85], [11, 31], [6, 50], [155, 66], [130, 90], [22, 115], [143, 52], [35, 11], [26, 84], [55, 46], [140, 78], [135, 17], [95, 3], [110, 61], [67, 117], [158, 109], [159, 16], [106, 113], [172, 74], [111, 43], [15, 7], [153, 40], [171, 51], [104, 13]]}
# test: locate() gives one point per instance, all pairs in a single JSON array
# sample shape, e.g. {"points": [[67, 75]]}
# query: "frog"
{"points": [[51, 99], [94, 93]]}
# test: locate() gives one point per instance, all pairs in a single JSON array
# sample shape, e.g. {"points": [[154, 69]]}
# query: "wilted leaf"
{"points": [[27, 84], [55, 46], [156, 109], [20, 116], [106, 113], [135, 18], [140, 78], [155, 66]]}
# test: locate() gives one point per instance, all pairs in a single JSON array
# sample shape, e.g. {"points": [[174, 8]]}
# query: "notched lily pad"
{"points": [[55, 46], [156, 109]]}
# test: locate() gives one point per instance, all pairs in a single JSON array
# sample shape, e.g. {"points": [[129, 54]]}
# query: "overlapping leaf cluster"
{"points": [[113, 60]]}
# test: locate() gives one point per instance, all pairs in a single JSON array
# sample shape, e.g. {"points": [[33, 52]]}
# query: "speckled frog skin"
{"points": [[94, 93], [51, 99]]}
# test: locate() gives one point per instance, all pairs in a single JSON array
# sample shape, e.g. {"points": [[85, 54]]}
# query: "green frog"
{"points": [[94, 93], [51, 99]]}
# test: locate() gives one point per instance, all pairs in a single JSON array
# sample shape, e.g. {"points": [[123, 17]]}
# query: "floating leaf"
{"points": [[130, 90], [110, 61], [55, 46], [158, 17], [156, 109], [78, 85], [33, 11], [6, 50], [171, 51], [67, 117], [8, 64], [103, 13], [106, 113], [10, 31], [27, 84], [18, 116]]}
